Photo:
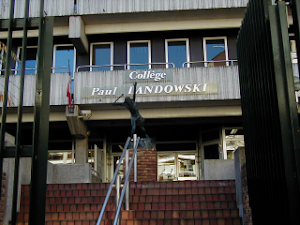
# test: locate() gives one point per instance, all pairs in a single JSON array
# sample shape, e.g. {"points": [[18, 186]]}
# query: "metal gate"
{"points": [[39, 149], [270, 116]]}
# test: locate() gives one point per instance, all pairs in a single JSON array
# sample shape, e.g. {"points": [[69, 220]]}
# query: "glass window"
{"points": [[234, 138], [211, 151], [139, 53], [187, 166], [102, 56], [166, 167], [30, 63], [177, 52], [215, 49], [63, 59], [64, 157]]}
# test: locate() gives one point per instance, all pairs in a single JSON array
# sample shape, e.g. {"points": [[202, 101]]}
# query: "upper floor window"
{"points": [[101, 56], [139, 55], [64, 59], [31, 60], [177, 52], [215, 49]]}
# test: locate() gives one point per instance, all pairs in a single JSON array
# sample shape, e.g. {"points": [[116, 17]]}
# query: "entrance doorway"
{"points": [[176, 166]]}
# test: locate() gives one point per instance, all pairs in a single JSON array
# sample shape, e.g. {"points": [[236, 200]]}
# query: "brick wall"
{"points": [[146, 165], [2, 201], [246, 206]]}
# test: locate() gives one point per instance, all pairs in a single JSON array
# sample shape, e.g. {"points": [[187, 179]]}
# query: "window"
{"points": [[177, 52], [138, 52], [30, 63], [234, 138], [64, 59], [215, 49], [101, 56]]}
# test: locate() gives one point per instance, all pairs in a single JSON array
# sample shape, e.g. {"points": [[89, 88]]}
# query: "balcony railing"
{"points": [[124, 66], [86, 7], [94, 87]]}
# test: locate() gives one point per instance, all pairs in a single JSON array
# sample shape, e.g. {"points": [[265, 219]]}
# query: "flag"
{"points": [[69, 95]]}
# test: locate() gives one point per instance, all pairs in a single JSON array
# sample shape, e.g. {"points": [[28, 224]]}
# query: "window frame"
{"points": [[18, 56], [215, 38], [54, 57], [111, 53], [149, 52], [187, 42]]}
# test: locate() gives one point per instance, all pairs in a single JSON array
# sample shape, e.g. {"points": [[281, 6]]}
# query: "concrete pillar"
{"points": [[79, 130], [81, 150], [77, 34]]}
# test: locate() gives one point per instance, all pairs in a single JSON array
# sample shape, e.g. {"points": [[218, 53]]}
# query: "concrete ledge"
{"points": [[69, 173], [219, 169]]}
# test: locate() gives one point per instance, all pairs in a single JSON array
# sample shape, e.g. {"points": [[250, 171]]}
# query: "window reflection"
{"points": [[166, 167], [139, 54], [215, 51], [64, 57], [30, 63], [102, 57], [187, 165], [234, 138], [177, 52]]}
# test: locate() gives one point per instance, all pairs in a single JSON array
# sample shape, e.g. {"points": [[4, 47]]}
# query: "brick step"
{"points": [[164, 205], [183, 197], [139, 215], [145, 184], [183, 205], [138, 198], [72, 207], [176, 190], [195, 221], [178, 221], [72, 193], [142, 188], [183, 184], [166, 214], [71, 200]]}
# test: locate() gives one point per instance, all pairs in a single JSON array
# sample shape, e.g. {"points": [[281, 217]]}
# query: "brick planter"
{"points": [[146, 165]]}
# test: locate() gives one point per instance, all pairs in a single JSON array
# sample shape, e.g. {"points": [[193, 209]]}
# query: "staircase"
{"points": [[151, 203]]}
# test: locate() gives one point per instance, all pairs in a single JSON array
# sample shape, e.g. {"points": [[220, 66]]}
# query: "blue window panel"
{"points": [[139, 54], [215, 50], [102, 56], [64, 57], [30, 63], [177, 53]]}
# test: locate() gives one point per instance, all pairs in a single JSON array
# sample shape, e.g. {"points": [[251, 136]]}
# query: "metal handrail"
{"points": [[112, 183], [52, 68], [231, 61], [125, 181], [126, 66]]}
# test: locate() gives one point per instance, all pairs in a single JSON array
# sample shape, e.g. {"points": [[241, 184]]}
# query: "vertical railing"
{"points": [[270, 117], [20, 113], [116, 180], [125, 190], [5, 94]]}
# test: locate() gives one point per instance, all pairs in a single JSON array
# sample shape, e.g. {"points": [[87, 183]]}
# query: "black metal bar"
{"points": [[287, 108], [25, 151], [20, 113], [18, 24], [270, 148], [41, 122], [296, 19], [5, 95]]}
